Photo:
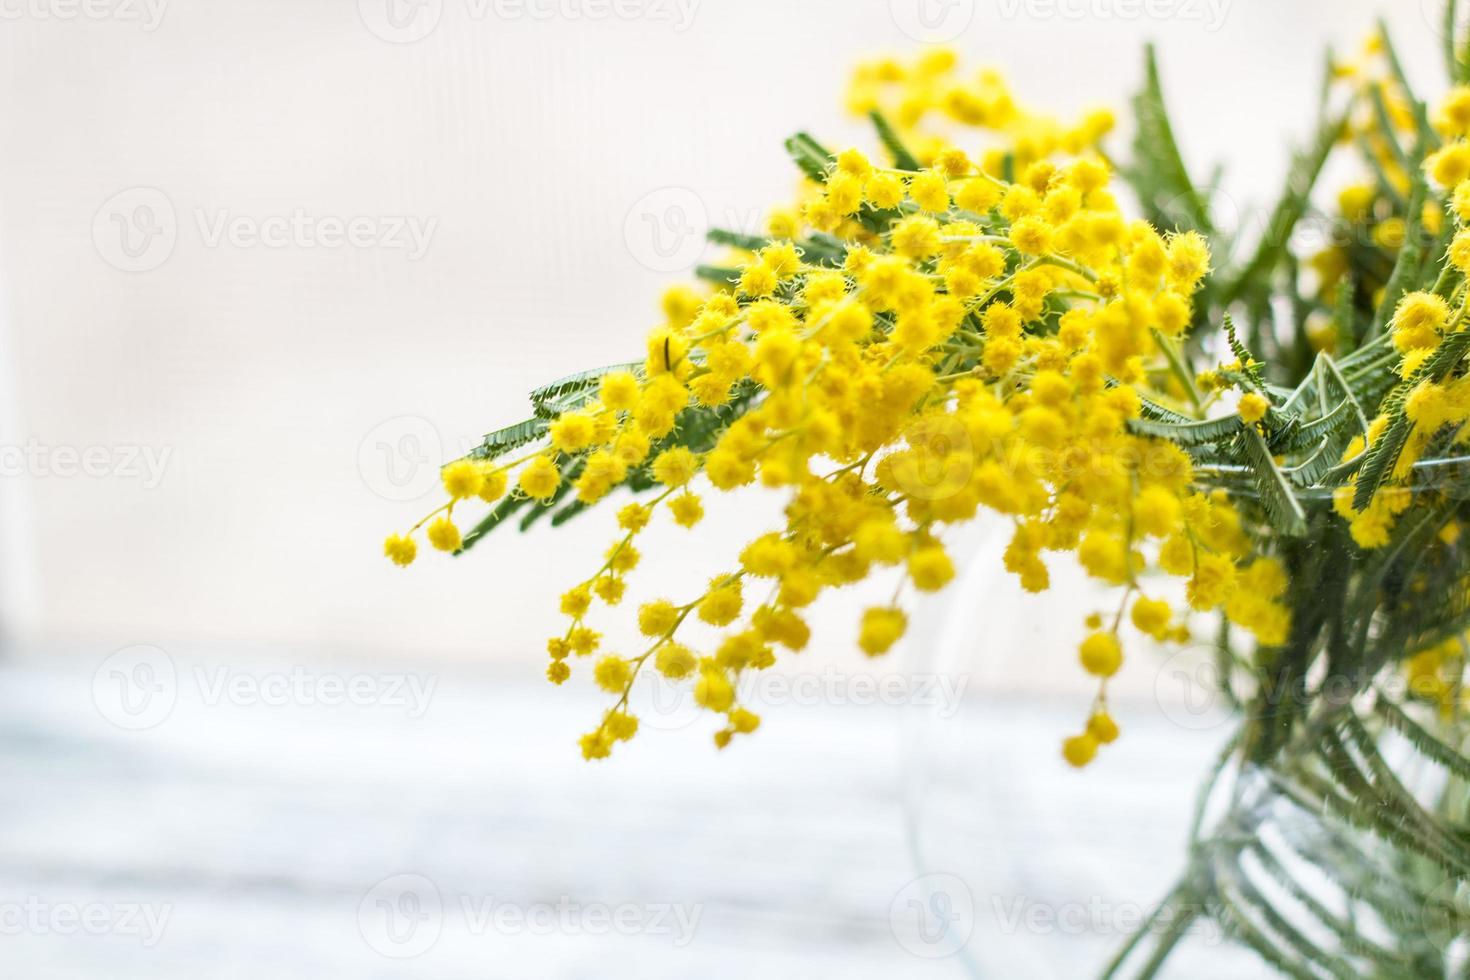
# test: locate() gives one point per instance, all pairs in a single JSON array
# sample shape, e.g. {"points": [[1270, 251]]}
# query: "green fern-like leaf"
{"points": [[575, 390], [812, 157], [1278, 498], [902, 158], [1158, 174], [502, 441], [1188, 432]]}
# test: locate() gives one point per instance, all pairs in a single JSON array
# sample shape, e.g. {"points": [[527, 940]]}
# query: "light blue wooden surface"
{"points": [[261, 831]]}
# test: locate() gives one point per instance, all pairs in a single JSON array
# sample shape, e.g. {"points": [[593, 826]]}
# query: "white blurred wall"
{"points": [[267, 373]]}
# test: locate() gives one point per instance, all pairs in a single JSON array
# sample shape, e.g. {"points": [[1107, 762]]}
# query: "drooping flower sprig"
{"points": [[912, 344], [974, 324]]}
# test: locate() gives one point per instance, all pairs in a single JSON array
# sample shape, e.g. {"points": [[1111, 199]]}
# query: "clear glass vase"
{"points": [[1171, 855]]}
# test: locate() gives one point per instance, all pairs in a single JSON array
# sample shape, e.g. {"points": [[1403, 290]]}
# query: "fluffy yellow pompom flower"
{"points": [[1102, 727], [852, 161], [1214, 577], [1189, 259], [1031, 236], [744, 721], [657, 618], [540, 478], [1454, 111], [610, 589], [722, 604], [686, 509], [884, 191], [1253, 407], [576, 602], [444, 535], [622, 557], [634, 517], [1105, 556], [916, 236], [618, 390], [612, 674], [978, 195], [1429, 405], [680, 302], [783, 257], [844, 193], [1450, 165], [768, 555], [462, 479], [758, 279], [493, 482], [675, 661], [573, 432], [881, 628], [880, 541], [714, 691], [400, 549], [1460, 251], [929, 191], [596, 745], [1152, 616], [1418, 321], [1101, 654], [930, 569], [1460, 202], [1079, 750], [675, 467], [1156, 511], [783, 223], [621, 725], [583, 641]]}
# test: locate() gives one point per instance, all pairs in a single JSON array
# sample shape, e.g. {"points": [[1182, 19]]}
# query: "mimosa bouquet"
{"points": [[987, 312]]}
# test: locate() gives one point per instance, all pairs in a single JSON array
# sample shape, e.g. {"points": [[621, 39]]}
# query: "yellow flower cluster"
{"points": [[981, 345], [1383, 135], [923, 96], [1421, 322], [1437, 674]]}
